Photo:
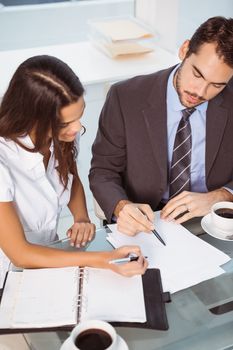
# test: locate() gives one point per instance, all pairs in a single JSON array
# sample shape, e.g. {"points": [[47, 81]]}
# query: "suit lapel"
{"points": [[216, 119], [155, 116]]}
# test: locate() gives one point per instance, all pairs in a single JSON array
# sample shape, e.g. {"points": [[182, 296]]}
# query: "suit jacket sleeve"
{"points": [[109, 156]]}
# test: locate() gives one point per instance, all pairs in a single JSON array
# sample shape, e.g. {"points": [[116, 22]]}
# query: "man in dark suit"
{"points": [[134, 151]]}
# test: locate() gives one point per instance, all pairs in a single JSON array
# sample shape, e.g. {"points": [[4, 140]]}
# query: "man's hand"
{"points": [[190, 204], [134, 218]]}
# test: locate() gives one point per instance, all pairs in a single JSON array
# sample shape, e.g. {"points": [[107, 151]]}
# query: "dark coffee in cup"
{"points": [[225, 213], [93, 339]]}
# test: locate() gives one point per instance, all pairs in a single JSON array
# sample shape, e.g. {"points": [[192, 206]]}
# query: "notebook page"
{"points": [[9, 298], [4, 267], [45, 298], [112, 297]]}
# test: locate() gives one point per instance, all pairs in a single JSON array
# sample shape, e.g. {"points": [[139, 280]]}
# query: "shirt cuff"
{"points": [[228, 189], [114, 219]]}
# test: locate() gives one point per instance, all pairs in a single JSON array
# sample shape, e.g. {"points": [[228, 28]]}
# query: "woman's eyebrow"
{"points": [[71, 121]]}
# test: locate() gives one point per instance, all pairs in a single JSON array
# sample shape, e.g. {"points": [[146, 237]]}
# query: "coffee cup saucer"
{"points": [[212, 230], [121, 344]]}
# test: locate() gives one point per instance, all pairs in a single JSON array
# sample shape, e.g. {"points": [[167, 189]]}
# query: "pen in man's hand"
{"points": [[157, 235]]}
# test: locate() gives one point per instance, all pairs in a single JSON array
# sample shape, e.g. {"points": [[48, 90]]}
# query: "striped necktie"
{"points": [[181, 157]]}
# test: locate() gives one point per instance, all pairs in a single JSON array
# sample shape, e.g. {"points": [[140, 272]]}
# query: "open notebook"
{"points": [[64, 296]]}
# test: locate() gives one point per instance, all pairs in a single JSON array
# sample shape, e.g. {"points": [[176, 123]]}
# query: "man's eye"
{"points": [[196, 75], [217, 86]]}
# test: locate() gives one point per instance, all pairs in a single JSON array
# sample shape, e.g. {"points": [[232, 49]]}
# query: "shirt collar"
{"points": [[30, 159], [173, 98]]}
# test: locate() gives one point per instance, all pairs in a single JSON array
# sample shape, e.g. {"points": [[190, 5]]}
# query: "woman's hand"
{"points": [[130, 268], [81, 233]]}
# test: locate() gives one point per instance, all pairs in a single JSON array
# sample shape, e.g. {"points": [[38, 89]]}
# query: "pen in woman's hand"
{"points": [[125, 260]]}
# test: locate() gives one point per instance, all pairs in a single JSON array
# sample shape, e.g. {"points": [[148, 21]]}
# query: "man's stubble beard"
{"points": [[177, 85]]}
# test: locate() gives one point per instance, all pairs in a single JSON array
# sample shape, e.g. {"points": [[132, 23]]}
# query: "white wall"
{"points": [[176, 20], [193, 13], [51, 24], [162, 16]]}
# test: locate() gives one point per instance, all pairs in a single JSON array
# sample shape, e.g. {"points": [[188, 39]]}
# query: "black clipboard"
{"points": [[155, 300]]}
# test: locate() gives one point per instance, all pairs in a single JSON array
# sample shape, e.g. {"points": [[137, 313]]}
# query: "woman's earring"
{"points": [[83, 130]]}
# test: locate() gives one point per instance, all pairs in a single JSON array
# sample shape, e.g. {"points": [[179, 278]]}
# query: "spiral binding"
{"points": [[81, 302]]}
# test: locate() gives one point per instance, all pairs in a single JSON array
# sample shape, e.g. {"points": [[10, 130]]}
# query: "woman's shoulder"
{"points": [[7, 148], [7, 186]]}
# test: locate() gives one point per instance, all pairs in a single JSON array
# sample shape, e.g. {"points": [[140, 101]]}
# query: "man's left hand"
{"points": [[188, 205]]}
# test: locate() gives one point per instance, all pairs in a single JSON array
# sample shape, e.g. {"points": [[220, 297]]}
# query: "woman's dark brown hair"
{"points": [[39, 89]]}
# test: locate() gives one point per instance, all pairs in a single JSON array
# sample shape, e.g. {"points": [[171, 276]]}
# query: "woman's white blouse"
{"points": [[37, 193]]}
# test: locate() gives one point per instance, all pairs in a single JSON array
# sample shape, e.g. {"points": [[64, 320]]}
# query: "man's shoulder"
{"points": [[143, 82], [227, 95], [230, 86]]}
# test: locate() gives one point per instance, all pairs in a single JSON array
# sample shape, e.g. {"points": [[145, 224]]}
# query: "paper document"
{"points": [[185, 260], [117, 49], [123, 29]]}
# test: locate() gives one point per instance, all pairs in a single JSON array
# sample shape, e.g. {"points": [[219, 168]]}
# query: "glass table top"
{"points": [[200, 317]]}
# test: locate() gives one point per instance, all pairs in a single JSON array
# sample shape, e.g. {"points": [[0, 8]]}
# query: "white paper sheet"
{"points": [[184, 261]]}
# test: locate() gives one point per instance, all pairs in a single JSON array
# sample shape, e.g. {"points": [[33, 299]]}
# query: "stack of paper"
{"points": [[185, 260], [117, 37]]}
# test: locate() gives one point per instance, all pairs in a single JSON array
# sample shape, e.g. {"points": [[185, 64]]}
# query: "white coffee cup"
{"points": [[86, 330], [223, 224]]}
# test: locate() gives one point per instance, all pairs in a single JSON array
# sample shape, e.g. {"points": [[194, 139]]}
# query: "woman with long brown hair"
{"points": [[39, 127]]}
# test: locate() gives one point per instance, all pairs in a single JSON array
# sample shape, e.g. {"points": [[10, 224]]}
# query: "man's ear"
{"points": [[183, 50]]}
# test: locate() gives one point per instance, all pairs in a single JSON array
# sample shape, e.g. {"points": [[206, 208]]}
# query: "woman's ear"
{"points": [[183, 50]]}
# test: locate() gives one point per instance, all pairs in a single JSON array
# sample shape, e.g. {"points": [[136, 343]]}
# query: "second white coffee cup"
{"points": [[221, 221]]}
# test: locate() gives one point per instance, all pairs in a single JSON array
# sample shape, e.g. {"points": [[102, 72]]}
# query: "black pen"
{"points": [[157, 235]]}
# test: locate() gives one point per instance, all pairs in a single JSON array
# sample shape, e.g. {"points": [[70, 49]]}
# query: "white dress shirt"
{"points": [[37, 193], [198, 127]]}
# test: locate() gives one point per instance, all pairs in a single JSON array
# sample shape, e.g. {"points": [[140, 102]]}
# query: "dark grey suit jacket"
{"points": [[130, 150]]}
